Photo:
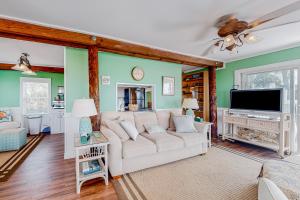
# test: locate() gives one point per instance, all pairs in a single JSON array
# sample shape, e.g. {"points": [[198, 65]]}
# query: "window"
{"points": [[35, 95]]}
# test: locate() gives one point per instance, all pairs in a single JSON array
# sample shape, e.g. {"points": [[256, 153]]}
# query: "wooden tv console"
{"points": [[270, 131]]}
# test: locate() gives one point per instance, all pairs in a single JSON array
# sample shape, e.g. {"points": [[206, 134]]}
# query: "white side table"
{"points": [[209, 124], [95, 149]]}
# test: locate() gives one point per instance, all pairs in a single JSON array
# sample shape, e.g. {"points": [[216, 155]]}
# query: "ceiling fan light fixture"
{"points": [[250, 38], [229, 40], [20, 67], [29, 73]]}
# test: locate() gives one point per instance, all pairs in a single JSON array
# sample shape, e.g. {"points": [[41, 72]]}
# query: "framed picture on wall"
{"points": [[168, 86]]}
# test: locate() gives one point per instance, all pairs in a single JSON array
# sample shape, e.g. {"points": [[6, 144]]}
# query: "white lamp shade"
{"points": [[190, 103], [84, 108]]}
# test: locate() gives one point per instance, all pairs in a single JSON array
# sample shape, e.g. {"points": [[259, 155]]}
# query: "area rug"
{"points": [[10, 161], [217, 175]]}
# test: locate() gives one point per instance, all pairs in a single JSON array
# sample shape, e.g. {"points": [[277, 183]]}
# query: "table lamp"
{"points": [[84, 108], [189, 104]]}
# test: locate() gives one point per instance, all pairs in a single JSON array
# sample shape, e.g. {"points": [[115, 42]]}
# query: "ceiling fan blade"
{"points": [[275, 14], [274, 26]]}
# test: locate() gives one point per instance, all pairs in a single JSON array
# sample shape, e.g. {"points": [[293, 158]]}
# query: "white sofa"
{"points": [[151, 150]]}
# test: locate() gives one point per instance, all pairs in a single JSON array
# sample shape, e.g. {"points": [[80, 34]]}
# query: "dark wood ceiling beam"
{"points": [[6, 66], [42, 40], [36, 33]]}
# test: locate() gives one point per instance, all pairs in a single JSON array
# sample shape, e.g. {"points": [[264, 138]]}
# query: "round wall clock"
{"points": [[137, 73]]}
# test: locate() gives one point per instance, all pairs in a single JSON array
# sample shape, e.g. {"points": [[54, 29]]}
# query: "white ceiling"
{"points": [[167, 24], [40, 54]]}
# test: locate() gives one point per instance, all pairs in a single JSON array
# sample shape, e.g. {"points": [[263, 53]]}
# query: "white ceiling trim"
{"points": [[96, 34], [263, 52]]}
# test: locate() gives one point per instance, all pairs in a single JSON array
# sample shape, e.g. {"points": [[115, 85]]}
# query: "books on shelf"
{"points": [[90, 167]]}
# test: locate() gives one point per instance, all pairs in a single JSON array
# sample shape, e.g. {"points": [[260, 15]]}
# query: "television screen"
{"points": [[261, 100]]}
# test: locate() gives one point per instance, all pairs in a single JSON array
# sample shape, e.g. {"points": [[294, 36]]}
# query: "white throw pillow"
{"points": [[154, 128], [130, 129], [172, 114], [117, 128], [184, 124]]}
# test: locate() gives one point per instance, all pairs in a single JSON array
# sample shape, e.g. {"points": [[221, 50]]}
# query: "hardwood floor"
{"points": [[46, 175], [248, 149]]}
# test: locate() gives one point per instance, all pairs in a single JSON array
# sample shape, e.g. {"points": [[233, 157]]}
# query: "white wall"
{"points": [[40, 54]]}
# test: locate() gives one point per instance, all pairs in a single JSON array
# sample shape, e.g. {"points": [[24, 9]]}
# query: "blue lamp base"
{"points": [[85, 129], [190, 112]]}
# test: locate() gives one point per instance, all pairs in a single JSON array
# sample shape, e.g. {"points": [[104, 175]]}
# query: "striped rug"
{"points": [[221, 174], [12, 163]]}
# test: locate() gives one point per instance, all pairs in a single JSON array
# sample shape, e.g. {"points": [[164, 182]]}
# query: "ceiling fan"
{"points": [[234, 33]]}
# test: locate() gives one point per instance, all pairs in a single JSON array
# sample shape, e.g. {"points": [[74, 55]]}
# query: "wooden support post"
{"points": [[213, 100], [94, 84]]}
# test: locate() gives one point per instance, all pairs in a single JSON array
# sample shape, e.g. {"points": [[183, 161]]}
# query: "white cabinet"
{"points": [[57, 121]]}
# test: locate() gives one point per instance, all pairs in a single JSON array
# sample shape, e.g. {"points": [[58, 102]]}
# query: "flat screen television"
{"points": [[259, 100]]}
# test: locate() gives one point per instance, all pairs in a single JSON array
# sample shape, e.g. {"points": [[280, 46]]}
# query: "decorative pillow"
{"points": [[173, 113], [5, 116], [130, 129], [154, 128], [117, 128], [184, 124]]}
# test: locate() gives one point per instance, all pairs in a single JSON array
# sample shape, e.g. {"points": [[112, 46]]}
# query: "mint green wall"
{"points": [[119, 67], [225, 77], [10, 86], [77, 77]]}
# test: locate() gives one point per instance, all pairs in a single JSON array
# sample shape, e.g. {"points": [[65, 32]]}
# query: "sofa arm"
{"points": [[202, 127], [114, 152], [267, 190]]}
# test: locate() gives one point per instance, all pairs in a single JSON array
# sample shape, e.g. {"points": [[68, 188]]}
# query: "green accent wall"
{"points": [[225, 77], [10, 86], [77, 77], [119, 67]]}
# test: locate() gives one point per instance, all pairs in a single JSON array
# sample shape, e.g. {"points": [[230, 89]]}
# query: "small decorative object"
{"points": [[84, 108], [168, 86], [133, 107], [195, 76], [24, 65], [189, 104], [105, 80], [121, 104], [90, 167], [199, 119], [137, 73]]}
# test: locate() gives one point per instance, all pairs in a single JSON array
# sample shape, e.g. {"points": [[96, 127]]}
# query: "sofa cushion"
{"points": [[142, 118], [130, 129], [184, 124], [163, 118], [190, 139], [111, 115], [173, 113], [140, 147], [9, 125], [154, 128], [165, 142], [116, 128]]}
